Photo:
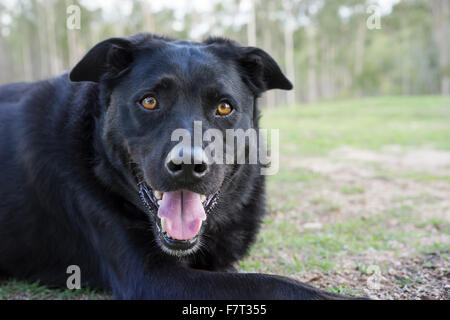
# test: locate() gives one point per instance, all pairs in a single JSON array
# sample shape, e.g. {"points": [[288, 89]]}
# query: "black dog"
{"points": [[87, 178]]}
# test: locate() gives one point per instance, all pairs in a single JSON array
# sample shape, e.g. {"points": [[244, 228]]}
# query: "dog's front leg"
{"points": [[132, 274], [177, 282]]}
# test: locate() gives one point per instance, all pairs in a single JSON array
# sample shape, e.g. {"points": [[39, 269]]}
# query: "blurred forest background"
{"points": [[327, 48]]}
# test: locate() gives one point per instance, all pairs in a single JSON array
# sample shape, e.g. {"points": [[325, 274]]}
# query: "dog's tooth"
{"points": [[202, 198], [157, 194], [162, 225], [159, 202]]}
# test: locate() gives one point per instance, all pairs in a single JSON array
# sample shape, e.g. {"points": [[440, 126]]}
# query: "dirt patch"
{"points": [[355, 186], [399, 157], [426, 277]]}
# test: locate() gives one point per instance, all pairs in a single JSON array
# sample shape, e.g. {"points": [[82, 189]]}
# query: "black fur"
{"points": [[70, 150]]}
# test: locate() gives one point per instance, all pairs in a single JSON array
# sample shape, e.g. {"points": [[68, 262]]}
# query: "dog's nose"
{"points": [[187, 162]]}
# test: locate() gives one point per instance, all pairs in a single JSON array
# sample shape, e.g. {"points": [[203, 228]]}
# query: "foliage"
{"points": [[335, 54]]}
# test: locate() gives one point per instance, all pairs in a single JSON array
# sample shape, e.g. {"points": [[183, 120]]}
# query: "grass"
{"points": [[425, 177], [369, 123], [437, 247], [14, 289], [418, 176], [349, 190], [295, 175], [407, 282], [284, 246], [342, 289], [318, 249]]}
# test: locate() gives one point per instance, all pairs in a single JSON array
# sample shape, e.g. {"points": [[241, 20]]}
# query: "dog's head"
{"points": [[157, 89]]}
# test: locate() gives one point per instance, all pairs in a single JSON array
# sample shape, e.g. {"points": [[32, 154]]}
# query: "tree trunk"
{"points": [[312, 62], [360, 44], [43, 39], [251, 27], [267, 41], [27, 69], [289, 54], [73, 43], [51, 38], [441, 26]]}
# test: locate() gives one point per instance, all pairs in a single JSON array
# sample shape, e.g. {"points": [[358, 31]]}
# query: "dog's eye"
{"points": [[224, 108], [149, 102]]}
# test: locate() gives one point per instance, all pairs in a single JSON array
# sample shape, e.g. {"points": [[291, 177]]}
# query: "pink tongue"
{"points": [[183, 213]]}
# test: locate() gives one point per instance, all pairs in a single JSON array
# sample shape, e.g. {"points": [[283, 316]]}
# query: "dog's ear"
{"points": [[261, 70], [106, 59]]}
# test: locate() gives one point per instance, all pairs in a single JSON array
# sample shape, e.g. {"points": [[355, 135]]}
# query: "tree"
{"points": [[441, 30]]}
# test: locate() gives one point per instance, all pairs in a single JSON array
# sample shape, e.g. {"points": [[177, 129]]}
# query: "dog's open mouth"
{"points": [[179, 215]]}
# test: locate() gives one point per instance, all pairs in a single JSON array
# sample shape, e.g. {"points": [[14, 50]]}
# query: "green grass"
{"points": [[14, 289], [295, 175], [320, 248], [437, 247], [405, 282], [425, 177], [342, 289], [349, 190], [417, 176], [437, 223], [369, 123]]}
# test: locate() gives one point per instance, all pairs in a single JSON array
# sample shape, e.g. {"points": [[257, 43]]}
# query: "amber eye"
{"points": [[149, 102], [224, 108]]}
